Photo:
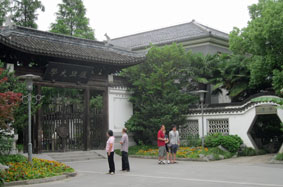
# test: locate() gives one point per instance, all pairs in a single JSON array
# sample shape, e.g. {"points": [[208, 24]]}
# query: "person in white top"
{"points": [[110, 151], [175, 142]]}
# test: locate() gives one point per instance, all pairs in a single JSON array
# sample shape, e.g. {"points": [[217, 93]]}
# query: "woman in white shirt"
{"points": [[110, 151]]}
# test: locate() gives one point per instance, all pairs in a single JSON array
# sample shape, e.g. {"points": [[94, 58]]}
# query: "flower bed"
{"points": [[186, 152], [21, 169]]}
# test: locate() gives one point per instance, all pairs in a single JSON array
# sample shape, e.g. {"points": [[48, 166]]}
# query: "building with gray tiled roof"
{"points": [[193, 36]]}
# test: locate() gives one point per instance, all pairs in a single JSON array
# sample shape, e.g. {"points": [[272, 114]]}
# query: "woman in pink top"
{"points": [[110, 151]]}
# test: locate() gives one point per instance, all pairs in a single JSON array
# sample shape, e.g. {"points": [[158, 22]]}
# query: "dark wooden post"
{"points": [[105, 116], [38, 127], [87, 120]]}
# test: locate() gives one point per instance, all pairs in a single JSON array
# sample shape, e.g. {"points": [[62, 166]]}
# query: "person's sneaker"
{"points": [[112, 173], [159, 162], [168, 161], [162, 162]]}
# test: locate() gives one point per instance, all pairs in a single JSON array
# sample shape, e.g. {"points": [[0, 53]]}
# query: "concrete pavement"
{"points": [[146, 172]]}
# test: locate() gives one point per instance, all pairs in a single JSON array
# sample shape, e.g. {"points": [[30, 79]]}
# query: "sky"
{"points": [[119, 18]]}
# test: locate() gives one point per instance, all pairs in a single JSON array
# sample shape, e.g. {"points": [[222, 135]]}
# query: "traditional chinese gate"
{"points": [[62, 120], [66, 62], [97, 132]]}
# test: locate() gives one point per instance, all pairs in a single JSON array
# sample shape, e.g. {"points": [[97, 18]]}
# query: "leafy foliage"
{"points": [[193, 141], [232, 73], [156, 96], [279, 156], [13, 85], [24, 12], [5, 145], [71, 20], [230, 142], [4, 159], [9, 100], [4, 9], [96, 103], [262, 40]]}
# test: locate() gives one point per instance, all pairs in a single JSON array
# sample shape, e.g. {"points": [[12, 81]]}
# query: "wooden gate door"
{"points": [[62, 124]]}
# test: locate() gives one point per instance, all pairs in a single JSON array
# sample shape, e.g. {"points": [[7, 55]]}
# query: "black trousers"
{"points": [[125, 161], [111, 162]]}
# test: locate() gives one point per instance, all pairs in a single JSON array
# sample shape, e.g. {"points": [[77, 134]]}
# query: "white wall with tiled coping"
{"points": [[120, 111], [239, 122]]}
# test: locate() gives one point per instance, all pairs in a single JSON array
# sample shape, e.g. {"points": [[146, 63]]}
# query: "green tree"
{"points": [[156, 95], [24, 12], [71, 20], [12, 84], [262, 40], [232, 73], [4, 9]]}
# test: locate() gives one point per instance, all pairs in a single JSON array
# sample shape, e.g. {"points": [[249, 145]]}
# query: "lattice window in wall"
{"points": [[189, 129], [218, 126]]}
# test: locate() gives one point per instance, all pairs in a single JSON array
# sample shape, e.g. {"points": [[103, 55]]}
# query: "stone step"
{"points": [[75, 156]]}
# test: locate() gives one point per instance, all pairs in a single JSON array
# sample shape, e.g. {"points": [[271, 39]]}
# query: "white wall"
{"points": [[120, 108], [239, 122], [120, 111]]}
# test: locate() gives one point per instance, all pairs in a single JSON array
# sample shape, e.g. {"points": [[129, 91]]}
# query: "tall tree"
{"points": [[24, 12], [71, 20], [4, 9], [156, 86], [262, 39]]}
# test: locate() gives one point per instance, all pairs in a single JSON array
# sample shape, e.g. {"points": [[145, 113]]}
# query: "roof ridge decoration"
{"points": [[201, 26]]}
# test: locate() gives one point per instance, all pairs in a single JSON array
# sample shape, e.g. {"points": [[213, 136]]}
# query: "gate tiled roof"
{"points": [[177, 33], [37, 42]]}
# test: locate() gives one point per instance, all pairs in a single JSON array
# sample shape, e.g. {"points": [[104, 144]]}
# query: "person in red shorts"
{"points": [[161, 145]]}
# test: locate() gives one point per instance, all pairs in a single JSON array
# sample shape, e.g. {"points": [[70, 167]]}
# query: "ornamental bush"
{"points": [[5, 145], [12, 158], [279, 156], [247, 151], [230, 142]]}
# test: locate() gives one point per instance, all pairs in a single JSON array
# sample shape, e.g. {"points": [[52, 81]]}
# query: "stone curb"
{"points": [[274, 161], [180, 159], [41, 180], [101, 153]]}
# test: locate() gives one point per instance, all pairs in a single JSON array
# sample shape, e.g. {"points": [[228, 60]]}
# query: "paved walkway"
{"points": [[238, 172]]}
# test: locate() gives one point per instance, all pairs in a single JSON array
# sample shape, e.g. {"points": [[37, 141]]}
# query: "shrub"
{"points": [[216, 152], [279, 156], [193, 141], [247, 151], [230, 142], [12, 158], [20, 147], [5, 145], [212, 140], [134, 149], [261, 152]]}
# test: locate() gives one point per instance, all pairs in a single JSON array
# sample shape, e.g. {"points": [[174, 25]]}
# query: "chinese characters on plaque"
{"points": [[67, 73]]}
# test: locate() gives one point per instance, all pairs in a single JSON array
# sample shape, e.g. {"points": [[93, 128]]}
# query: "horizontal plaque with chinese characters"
{"points": [[67, 73], [266, 109]]}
